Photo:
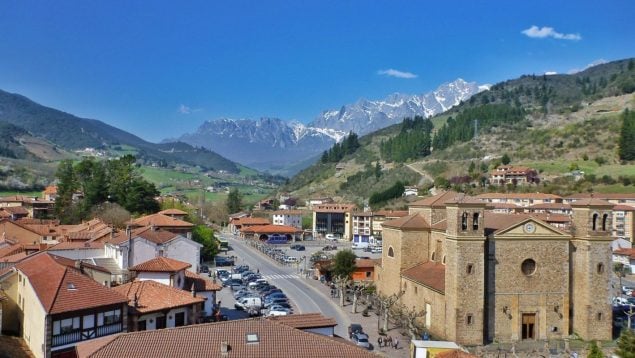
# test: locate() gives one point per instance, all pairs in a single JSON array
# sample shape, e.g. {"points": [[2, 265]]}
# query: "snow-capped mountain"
{"points": [[366, 116], [274, 144]]}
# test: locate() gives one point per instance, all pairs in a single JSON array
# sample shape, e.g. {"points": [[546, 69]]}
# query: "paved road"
{"points": [[305, 297]]}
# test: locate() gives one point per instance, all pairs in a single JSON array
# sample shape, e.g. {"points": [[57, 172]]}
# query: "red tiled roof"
{"points": [[161, 220], [251, 221], [435, 201], [161, 264], [153, 296], [274, 340], [364, 263], [556, 206], [495, 222], [305, 320], [391, 213], [334, 208], [464, 199], [11, 250], [538, 196], [14, 258], [408, 223], [200, 283], [591, 202], [70, 245], [430, 274], [625, 252], [63, 289], [157, 236], [172, 211], [622, 207]]}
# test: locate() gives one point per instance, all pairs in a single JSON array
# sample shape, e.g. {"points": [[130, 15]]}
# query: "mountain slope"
{"points": [[72, 133], [541, 121], [283, 147]]}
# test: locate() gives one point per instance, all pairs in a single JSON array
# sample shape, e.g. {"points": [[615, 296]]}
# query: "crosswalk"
{"points": [[281, 277]]}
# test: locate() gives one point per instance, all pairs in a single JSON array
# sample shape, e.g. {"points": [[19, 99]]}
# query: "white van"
{"points": [[249, 302], [331, 237]]}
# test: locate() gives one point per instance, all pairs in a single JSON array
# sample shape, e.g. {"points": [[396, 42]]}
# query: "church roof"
{"points": [[430, 274], [411, 222], [437, 200]]}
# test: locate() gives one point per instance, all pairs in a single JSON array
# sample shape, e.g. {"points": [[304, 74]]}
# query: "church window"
{"points": [[475, 221], [434, 254], [443, 259], [415, 290], [595, 222], [599, 316], [464, 222], [528, 267], [605, 219], [391, 252], [470, 269], [469, 319], [600, 268]]}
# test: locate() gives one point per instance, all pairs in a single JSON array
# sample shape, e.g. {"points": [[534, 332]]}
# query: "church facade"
{"points": [[482, 276]]}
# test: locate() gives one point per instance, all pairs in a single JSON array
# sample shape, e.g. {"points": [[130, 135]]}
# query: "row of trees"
{"points": [[348, 145], [395, 191], [83, 187], [627, 136], [413, 141]]}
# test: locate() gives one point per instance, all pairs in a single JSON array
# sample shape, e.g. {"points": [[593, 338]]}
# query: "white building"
{"points": [[288, 217]]}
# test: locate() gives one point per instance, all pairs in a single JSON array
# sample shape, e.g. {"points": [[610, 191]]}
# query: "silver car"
{"points": [[361, 339]]}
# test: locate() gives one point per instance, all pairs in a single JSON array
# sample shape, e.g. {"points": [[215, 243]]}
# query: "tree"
{"points": [[595, 351], [205, 236], [385, 303], [408, 317], [621, 271], [626, 344], [66, 187], [505, 159], [234, 201], [342, 269], [627, 136], [112, 214]]}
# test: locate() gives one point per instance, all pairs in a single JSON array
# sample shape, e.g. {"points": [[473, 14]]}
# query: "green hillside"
{"points": [[554, 124]]}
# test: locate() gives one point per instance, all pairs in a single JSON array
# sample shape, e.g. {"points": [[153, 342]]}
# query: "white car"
{"points": [[376, 250], [331, 237], [276, 313]]}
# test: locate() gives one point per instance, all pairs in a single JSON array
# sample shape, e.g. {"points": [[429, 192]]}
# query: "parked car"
{"points": [[276, 301], [248, 302], [331, 237], [276, 313], [281, 306], [223, 261], [329, 248], [300, 248], [204, 269], [354, 328], [376, 250], [361, 339]]}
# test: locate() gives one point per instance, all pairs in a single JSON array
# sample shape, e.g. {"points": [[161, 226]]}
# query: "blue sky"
{"points": [[159, 71]]}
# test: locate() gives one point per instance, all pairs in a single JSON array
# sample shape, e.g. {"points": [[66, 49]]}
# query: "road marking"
{"points": [[280, 277]]}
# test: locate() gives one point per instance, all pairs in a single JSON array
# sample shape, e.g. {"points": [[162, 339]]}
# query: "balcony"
{"points": [[82, 335]]}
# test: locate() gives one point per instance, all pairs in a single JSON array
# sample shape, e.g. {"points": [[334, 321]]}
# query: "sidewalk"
{"points": [[369, 325]]}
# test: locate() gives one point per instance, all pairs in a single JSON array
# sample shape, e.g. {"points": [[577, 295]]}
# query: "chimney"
{"points": [[224, 348]]}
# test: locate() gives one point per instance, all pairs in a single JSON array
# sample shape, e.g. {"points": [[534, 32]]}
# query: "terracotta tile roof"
{"points": [[161, 264], [16, 210], [14, 258], [538, 196], [391, 213], [172, 211], [334, 208], [430, 274], [305, 320], [51, 189], [408, 223], [271, 229], [605, 196], [554, 206], [435, 201], [274, 340], [591, 202], [63, 289], [70, 245], [454, 353], [365, 263], [153, 296], [552, 218], [161, 220], [157, 236], [11, 250], [200, 283], [251, 221], [495, 222], [464, 199]]}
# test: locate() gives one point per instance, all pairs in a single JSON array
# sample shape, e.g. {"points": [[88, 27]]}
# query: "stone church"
{"points": [[482, 276]]}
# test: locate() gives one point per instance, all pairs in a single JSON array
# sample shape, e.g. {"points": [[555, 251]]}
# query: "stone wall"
{"points": [[417, 295]]}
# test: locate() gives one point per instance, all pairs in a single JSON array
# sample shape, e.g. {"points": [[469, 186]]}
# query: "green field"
{"points": [[37, 194], [559, 167]]}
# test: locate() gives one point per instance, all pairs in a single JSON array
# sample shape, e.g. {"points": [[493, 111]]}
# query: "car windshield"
{"points": [[362, 339]]}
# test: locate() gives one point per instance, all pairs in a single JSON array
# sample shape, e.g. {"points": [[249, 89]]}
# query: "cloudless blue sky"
{"points": [[159, 69]]}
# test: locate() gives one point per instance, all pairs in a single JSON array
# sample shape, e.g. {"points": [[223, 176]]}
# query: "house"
{"points": [[36, 207], [78, 250], [244, 338], [236, 226], [318, 201], [483, 277], [174, 273], [14, 213], [153, 305], [174, 213], [626, 257], [520, 199], [23, 234], [333, 219], [410, 190], [364, 271], [50, 193], [132, 247], [507, 174], [53, 306], [288, 218], [165, 223]]}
